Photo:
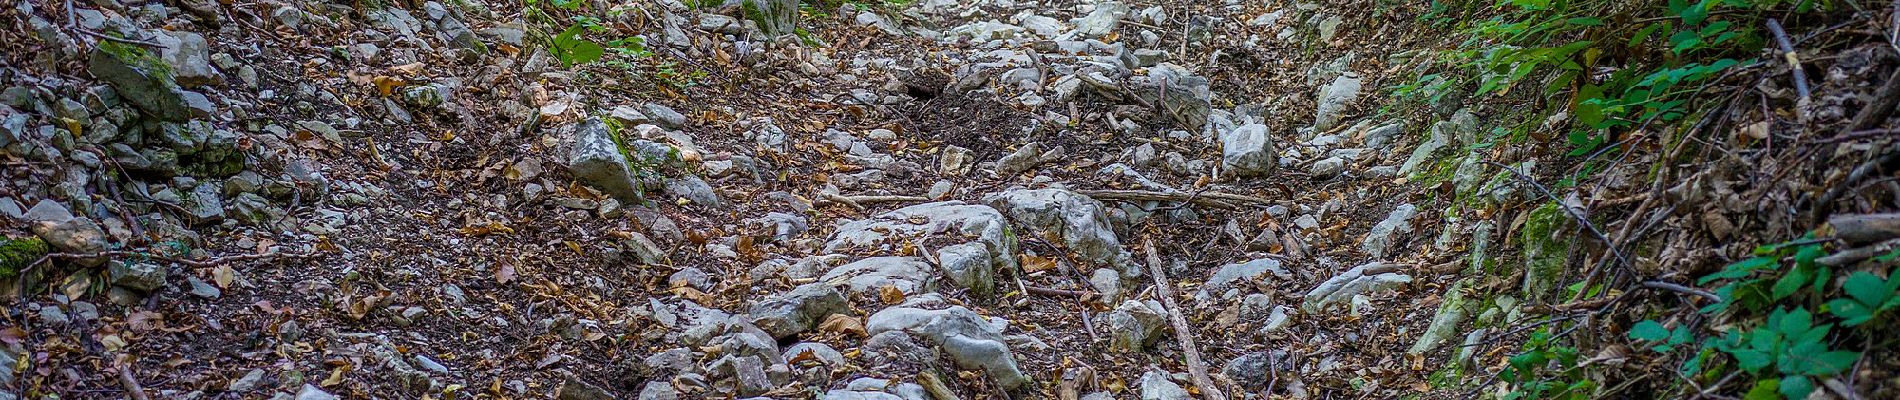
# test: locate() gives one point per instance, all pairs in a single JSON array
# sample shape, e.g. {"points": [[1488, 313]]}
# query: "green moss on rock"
{"points": [[1544, 254], [17, 253]]}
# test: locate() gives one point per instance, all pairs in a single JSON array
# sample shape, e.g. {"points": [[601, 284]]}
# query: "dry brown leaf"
{"points": [[223, 275], [840, 323], [141, 321], [12, 335], [1033, 264], [505, 273], [336, 375], [890, 294], [487, 228], [387, 84]]}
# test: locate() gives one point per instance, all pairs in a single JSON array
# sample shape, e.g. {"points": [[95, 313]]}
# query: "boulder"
{"points": [[970, 340], [1367, 278], [886, 232], [1231, 275], [141, 79], [1248, 151], [1135, 325], [597, 160], [799, 310], [1078, 222]]}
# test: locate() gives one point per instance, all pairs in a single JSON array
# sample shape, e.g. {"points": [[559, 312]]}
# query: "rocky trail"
{"points": [[946, 199]]}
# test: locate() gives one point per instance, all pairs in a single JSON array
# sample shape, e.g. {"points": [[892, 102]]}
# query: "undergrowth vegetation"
{"points": [[1600, 68], [1591, 77]]}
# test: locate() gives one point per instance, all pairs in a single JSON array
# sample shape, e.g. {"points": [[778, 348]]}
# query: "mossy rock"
{"points": [[17, 253], [141, 78], [1545, 254]]}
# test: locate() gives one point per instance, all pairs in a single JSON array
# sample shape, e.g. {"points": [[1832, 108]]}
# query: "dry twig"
{"points": [[1204, 198], [131, 383], [1165, 291]]}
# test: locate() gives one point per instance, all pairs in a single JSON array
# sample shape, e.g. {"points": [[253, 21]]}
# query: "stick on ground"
{"points": [[1165, 291]]}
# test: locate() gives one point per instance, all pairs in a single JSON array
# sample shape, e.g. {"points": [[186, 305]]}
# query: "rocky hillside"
{"points": [[944, 199]]}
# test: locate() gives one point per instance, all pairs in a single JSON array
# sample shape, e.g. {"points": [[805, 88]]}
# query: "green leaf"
{"points": [[1584, 21], [1794, 323], [1649, 330], [1851, 312], [1739, 269], [1752, 360], [1766, 389], [1833, 362], [1806, 255], [1866, 288], [1792, 282], [1891, 254], [1796, 386]]}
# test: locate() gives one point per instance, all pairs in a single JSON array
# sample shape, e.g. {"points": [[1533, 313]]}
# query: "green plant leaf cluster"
{"points": [[1790, 348], [1547, 370]]}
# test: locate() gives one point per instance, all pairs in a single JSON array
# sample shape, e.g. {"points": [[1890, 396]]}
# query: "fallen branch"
{"points": [[131, 383], [1794, 61], [1865, 228], [858, 202], [884, 199], [934, 386], [106, 37], [1660, 285], [1165, 291], [1854, 255], [1056, 292], [1592, 227], [1206, 198], [1886, 161], [1877, 111]]}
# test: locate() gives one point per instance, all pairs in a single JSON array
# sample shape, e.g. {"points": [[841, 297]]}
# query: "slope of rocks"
{"points": [[317, 200]]}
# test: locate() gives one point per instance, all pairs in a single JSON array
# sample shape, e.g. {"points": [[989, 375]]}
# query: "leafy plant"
{"points": [[1867, 297], [1788, 351], [1747, 282], [1792, 344], [1622, 65], [1545, 370], [572, 49]]}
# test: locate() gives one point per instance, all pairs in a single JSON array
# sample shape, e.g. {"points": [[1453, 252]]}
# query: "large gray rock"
{"points": [[1444, 327], [910, 275], [141, 79], [819, 351], [775, 17], [189, 57], [1101, 21], [78, 235], [1248, 151], [1462, 129], [1231, 275], [311, 392], [969, 266], [143, 277], [597, 160], [798, 310], [886, 233], [970, 340], [1367, 278], [1379, 241], [1135, 325], [1155, 385], [1333, 100], [1078, 222], [1254, 370]]}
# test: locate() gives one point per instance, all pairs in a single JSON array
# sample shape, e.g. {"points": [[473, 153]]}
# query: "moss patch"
{"points": [[17, 253], [1544, 256]]}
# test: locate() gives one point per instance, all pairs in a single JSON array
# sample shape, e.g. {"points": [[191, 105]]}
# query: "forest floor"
{"points": [[1153, 199]]}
